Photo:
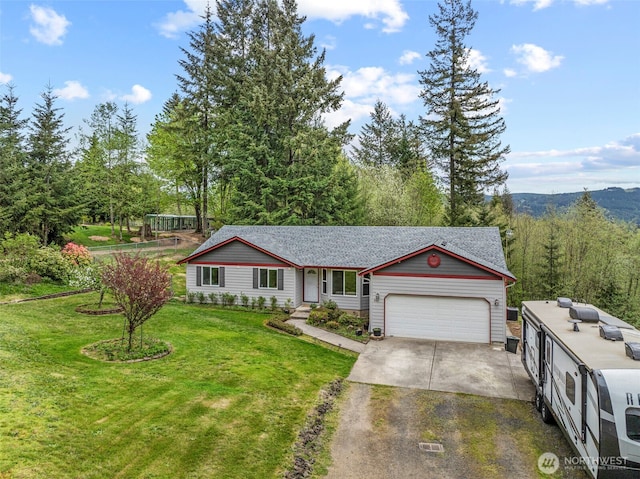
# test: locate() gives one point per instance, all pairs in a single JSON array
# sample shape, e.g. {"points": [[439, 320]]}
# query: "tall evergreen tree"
{"points": [[51, 206], [377, 139], [197, 85], [463, 123], [12, 157]]}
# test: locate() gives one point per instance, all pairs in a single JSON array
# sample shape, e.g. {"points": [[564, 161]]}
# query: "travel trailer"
{"points": [[585, 365]]}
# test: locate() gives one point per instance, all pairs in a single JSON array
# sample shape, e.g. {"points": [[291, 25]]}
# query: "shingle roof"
{"points": [[365, 247]]}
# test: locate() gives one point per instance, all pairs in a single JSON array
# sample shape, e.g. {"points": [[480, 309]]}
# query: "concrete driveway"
{"points": [[480, 369]]}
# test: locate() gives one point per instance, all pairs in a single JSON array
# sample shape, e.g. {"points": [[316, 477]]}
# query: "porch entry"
{"points": [[311, 285]]}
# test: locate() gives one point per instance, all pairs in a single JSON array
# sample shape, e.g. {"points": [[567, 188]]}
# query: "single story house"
{"points": [[441, 283]]}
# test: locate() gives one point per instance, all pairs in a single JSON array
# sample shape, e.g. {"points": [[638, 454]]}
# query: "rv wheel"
{"points": [[539, 401], [547, 417]]}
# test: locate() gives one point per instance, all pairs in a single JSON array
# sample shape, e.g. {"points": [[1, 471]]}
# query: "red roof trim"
{"points": [[223, 263], [441, 250], [452, 276], [189, 259]]}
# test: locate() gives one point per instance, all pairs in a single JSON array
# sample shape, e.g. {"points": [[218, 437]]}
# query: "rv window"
{"points": [[570, 388], [633, 423]]}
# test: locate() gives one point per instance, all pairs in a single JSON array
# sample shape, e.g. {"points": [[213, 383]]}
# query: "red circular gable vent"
{"points": [[434, 260]]}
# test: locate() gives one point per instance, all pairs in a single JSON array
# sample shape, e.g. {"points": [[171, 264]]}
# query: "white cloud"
{"points": [[536, 59], [408, 56], [329, 43], [509, 72], [139, 94], [49, 26], [176, 22], [72, 90], [5, 78], [540, 4], [390, 12], [477, 61], [616, 163]]}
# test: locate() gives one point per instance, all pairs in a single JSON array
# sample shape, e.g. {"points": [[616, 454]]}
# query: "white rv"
{"points": [[585, 365]]}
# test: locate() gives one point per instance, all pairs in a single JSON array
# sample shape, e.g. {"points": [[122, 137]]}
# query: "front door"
{"points": [[311, 286]]}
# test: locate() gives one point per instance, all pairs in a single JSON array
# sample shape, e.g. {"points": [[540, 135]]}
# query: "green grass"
{"points": [[13, 291], [81, 235], [227, 403]]}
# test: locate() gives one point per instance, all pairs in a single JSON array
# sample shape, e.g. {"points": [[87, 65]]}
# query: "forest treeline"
{"points": [[243, 141]]}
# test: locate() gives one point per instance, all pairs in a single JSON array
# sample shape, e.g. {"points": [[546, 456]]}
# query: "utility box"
{"points": [[512, 314]]}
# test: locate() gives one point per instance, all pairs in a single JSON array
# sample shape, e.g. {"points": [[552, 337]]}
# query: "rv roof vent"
{"points": [[564, 303], [632, 350], [610, 332], [584, 314]]}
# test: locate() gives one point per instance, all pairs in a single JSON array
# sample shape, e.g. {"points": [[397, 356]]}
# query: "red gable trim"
{"points": [[441, 250], [448, 276], [189, 259]]}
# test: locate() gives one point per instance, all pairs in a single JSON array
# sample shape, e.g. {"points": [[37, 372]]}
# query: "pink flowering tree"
{"points": [[139, 286], [76, 254]]}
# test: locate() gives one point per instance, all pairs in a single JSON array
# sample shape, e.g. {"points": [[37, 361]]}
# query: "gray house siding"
{"points": [[449, 266], [490, 290], [239, 280], [237, 252]]}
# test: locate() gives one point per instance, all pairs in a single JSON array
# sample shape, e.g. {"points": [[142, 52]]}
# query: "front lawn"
{"points": [[87, 235], [226, 403]]}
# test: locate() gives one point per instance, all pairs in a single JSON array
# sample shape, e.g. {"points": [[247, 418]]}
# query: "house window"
{"points": [[366, 281], [324, 281], [268, 278], [210, 276], [344, 283], [570, 388]]}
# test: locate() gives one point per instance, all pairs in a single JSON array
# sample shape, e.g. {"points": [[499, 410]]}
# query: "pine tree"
{"points": [[51, 206], [377, 141], [463, 123], [12, 157]]}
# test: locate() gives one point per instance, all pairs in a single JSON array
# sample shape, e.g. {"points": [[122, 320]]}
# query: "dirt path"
{"points": [[383, 432]]}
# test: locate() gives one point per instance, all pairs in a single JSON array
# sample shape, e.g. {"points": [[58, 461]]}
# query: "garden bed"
{"points": [[95, 310]]}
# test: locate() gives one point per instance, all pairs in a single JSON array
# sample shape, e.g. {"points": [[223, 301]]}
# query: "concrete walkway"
{"points": [[327, 337]]}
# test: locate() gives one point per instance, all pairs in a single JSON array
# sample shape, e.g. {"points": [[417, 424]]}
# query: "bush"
{"points": [[274, 303], [202, 298], [261, 302], [77, 255], [333, 324], [334, 314], [11, 274], [244, 299], [346, 319], [329, 304], [254, 302], [317, 317], [191, 297], [50, 263], [213, 298], [228, 299], [282, 326]]}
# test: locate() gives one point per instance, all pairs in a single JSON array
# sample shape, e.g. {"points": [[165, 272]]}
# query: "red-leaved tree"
{"points": [[139, 286]]}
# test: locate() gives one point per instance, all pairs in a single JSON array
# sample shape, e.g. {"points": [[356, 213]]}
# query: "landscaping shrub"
{"points": [[11, 274], [77, 255], [347, 319], [282, 326], [261, 302], [274, 303], [329, 304], [254, 302], [202, 298], [317, 316], [213, 298], [228, 299], [244, 299], [333, 324], [191, 297], [50, 263]]}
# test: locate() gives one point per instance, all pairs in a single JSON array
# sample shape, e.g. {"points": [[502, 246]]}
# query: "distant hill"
{"points": [[620, 203]]}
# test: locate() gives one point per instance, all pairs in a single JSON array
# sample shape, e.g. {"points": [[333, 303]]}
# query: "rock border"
{"points": [[84, 309], [147, 358]]}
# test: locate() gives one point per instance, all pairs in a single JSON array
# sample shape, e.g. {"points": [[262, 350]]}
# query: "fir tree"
{"points": [[462, 124], [377, 139]]}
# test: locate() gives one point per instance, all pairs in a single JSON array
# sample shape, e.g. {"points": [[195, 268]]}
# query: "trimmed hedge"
{"points": [[282, 326]]}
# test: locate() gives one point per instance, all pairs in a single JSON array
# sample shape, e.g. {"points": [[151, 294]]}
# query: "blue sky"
{"points": [[568, 70]]}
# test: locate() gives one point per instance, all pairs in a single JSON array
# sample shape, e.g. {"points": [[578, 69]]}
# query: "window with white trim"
{"points": [[324, 281], [268, 278], [210, 276], [344, 283], [366, 282]]}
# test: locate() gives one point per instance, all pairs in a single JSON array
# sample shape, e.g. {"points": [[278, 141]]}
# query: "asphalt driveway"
{"points": [[480, 369]]}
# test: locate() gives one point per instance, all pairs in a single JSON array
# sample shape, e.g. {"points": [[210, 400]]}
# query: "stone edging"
{"points": [[84, 309], [50, 296]]}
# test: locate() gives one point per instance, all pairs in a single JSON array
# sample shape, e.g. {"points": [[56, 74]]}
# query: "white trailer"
{"points": [[581, 362]]}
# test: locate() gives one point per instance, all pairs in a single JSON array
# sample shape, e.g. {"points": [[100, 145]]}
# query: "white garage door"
{"points": [[437, 317]]}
